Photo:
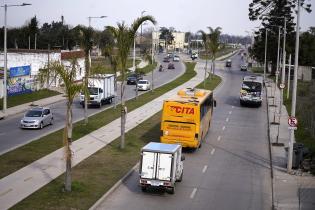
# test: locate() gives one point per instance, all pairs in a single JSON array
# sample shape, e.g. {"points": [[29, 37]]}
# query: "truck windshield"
{"points": [[93, 91], [251, 86]]}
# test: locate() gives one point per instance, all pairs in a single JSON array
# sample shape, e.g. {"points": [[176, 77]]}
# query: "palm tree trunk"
{"points": [[87, 72], [67, 143], [123, 115], [204, 81]]}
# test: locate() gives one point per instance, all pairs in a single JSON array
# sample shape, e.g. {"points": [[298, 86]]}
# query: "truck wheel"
{"points": [[181, 177], [143, 188], [83, 106], [100, 105], [171, 190]]}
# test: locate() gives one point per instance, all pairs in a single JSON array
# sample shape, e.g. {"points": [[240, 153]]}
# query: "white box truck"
{"points": [[101, 88], [161, 165]]}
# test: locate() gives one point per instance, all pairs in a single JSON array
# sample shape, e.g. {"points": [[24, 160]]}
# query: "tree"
{"points": [[272, 13], [167, 35], [307, 48], [124, 36], [67, 77], [86, 38]]}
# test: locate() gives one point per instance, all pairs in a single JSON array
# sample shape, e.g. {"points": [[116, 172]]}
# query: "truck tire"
{"points": [[100, 105], [83, 106], [143, 188], [181, 177], [171, 190]]}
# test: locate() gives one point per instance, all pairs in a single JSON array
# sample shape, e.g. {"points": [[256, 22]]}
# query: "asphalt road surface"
{"points": [[231, 169], [11, 136]]}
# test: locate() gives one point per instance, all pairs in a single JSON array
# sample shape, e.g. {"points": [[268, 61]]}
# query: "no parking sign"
{"points": [[292, 121]]}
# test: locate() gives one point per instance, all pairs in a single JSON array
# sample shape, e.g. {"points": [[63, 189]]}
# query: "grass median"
{"points": [[37, 149], [29, 97], [94, 176]]}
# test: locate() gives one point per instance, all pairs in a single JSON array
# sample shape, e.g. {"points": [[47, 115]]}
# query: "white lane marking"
{"points": [[227, 119], [219, 138], [232, 107], [212, 151], [204, 169], [230, 112], [28, 178], [192, 195], [223, 128], [5, 192]]}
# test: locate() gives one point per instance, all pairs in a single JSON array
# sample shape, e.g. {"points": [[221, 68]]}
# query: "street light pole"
{"points": [[141, 31], [5, 68], [103, 16], [265, 64], [296, 64]]}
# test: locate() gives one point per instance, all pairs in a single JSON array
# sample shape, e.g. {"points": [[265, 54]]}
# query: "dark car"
{"points": [[166, 59], [171, 66], [228, 63], [133, 78], [244, 67]]}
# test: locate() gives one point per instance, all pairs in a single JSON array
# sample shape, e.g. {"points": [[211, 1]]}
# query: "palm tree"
{"points": [[124, 36], [86, 38], [67, 77], [205, 40], [214, 43]]}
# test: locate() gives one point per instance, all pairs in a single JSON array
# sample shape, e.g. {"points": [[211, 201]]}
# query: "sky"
{"points": [[183, 15]]}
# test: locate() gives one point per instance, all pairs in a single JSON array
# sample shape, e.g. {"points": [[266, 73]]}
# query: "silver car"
{"points": [[37, 118]]}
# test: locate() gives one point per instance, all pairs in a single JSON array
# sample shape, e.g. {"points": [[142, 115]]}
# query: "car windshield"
{"points": [[93, 90], [142, 82], [251, 86], [33, 113]]}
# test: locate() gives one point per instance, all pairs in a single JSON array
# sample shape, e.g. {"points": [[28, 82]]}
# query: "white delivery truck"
{"points": [[101, 88], [161, 165]]}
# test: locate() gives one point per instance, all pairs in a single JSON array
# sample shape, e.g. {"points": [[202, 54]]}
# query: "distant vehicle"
{"points": [[166, 59], [186, 117], [244, 67], [101, 89], [133, 78], [171, 66], [161, 165], [37, 117], [194, 55], [170, 55], [252, 90], [228, 63], [143, 85], [176, 58]]}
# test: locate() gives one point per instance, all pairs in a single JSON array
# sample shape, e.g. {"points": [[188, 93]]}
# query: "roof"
{"points": [[253, 78], [190, 95], [72, 54], [161, 147]]}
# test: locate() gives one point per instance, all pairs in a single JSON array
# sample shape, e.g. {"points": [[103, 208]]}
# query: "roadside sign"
{"points": [[282, 86], [292, 128], [292, 121], [277, 72]]}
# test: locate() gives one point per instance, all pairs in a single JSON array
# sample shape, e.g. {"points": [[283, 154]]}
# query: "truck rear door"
{"points": [[148, 165], [164, 167]]}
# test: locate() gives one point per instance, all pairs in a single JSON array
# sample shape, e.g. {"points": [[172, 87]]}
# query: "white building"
{"points": [[24, 65], [178, 42]]}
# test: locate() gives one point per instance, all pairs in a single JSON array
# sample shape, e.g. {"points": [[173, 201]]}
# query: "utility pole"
{"points": [[293, 106], [289, 78], [35, 41], [265, 64]]}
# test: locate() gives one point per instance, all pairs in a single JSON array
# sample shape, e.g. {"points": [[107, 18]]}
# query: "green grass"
{"points": [[304, 102], [102, 65], [259, 70], [94, 176], [220, 53], [28, 153], [29, 97]]}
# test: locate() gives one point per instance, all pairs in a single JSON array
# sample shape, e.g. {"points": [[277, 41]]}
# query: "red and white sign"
{"points": [[292, 121], [282, 86]]}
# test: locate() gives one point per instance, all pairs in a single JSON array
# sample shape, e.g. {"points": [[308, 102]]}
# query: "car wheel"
{"points": [[41, 125], [51, 121], [171, 190], [143, 188]]}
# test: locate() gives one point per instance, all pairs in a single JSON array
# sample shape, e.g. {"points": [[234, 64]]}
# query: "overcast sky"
{"points": [[183, 15]]}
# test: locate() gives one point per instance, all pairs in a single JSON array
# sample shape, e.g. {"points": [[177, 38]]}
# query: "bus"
{"points": [[252, 90], [186, 117]]}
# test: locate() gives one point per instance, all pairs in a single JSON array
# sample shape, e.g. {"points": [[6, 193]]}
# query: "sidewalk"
{"points": [[290, 191], [22, 183]]}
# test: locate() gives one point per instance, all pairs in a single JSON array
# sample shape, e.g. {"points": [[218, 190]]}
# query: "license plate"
{"points": [[155, 183]]}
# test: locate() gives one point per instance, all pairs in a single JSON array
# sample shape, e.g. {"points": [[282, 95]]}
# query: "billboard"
{"points": [[19, 81]]}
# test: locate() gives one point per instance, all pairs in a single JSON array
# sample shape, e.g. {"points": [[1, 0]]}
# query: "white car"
{"points": [[176, 58], [37, 118], [144, 85]]}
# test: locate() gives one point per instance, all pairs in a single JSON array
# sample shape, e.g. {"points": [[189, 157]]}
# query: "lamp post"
{"points": [[296, 64], [141, 31], [265, 63], [5, 53], [95, 17]]}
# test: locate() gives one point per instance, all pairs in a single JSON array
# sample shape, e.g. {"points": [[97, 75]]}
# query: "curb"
{"points": [[113, 188]]}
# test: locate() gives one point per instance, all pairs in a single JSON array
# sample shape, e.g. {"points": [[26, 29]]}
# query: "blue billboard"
{"points": [[20, 71], [19, 81]]}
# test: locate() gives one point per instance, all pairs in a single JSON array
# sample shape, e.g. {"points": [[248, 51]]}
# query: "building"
{"points": [[177, 44], [24, 65]]}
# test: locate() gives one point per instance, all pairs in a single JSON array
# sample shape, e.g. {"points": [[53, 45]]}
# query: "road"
{"points": [[11, 136], [230, 171]]}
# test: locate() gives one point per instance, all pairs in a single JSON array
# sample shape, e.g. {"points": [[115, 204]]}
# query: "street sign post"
{"points": [[282, 86], [292, 121]]}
